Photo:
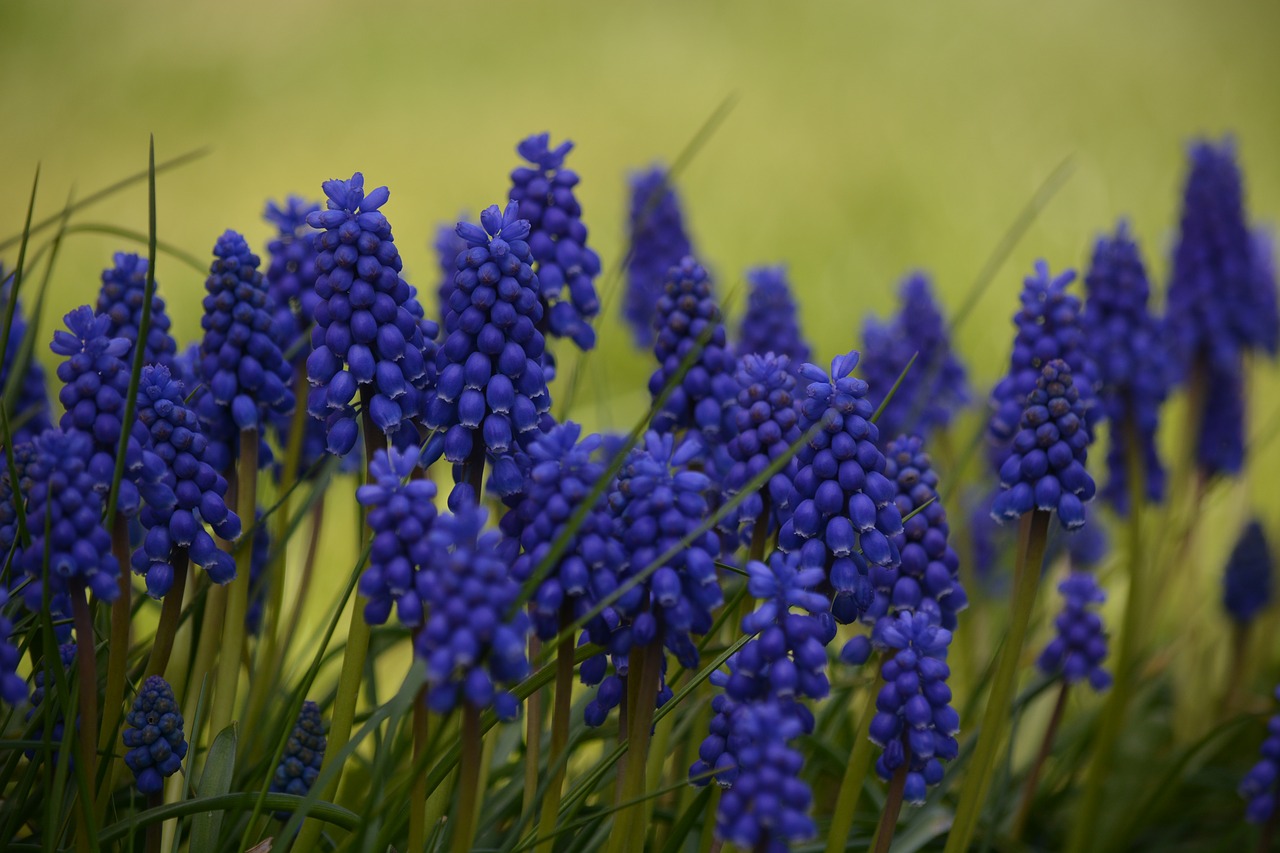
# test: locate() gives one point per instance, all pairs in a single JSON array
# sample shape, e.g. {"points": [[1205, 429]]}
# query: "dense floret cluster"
{"points": [[766, 422], [770, 324], [401, 510], [153, 735], [299, 766], [1261, 785], [1080, 645], [123, 293]]}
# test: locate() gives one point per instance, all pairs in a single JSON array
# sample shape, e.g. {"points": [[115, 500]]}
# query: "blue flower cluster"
{"points": [[770, 324], [936, 386], [1265, 333], [766, 423], [1247, 582], [914, 722], [473, 650], [1259, 786], [401, 511], [176, 437], [23, 455], [492, 391], [1128, 345], [1048, 327], [1045, 468], [95, 380], [447, 245], [246, 378], [124, 289], [370, 336], [13, 688], [565, 469], [658, 241], [299, 766], [844, 516], [565, 265], [67, 657], [1080, 646], [153, 734], [30, 414]]}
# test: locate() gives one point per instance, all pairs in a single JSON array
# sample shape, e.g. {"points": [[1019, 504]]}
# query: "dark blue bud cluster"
{"points": [[1259, 786], [370, 336], [914, 722], [153, 734], [13, 688], [844, 518], [565, 468], [565, 265], [401, 511], [474, 650], [766, 422], [936, 387], [124, 289], [30, 414], [492, 389], [1247, 582], [244, 372], [770, 323], [1080, 646], [658, 241], [95, 380], [176, 437], [299, 766], [1129, 348], [1045, 469]]}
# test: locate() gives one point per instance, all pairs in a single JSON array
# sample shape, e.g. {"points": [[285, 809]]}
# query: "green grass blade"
{"points": [[178, 254], [215, 781]]}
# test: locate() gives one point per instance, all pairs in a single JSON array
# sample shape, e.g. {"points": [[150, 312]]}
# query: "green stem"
{"points": [[418, 795], [1031, 545], [1239, 657], [468, 779], [170, 616], [308, 571], [1033, 776], [533, 738], [117, 658], [87, 661], [892, 807], [155, 829], [855, 774], [560, 714], [228, 675], [625, 831]]}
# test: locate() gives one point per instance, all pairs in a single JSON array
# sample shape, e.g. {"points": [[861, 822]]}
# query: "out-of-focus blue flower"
{"points": [[843, 513], [13, 688], [770, 324], [245, 375], [67, 656], [492, 389], [766, 423], [1259, 786], [1265, 320], [1080, 646], [177, 439], [12, 500], [369, 330], [658, 241], [914, 721], [1045, 468], [1246, 583], [299, 766], [153, 735], [1048, 328], [936, 386], [401, 512], [258, 561], [447, 245], [565, 265], [30, 414], [1085, 547], [473, 650], [1129, 349], [124, 290]]}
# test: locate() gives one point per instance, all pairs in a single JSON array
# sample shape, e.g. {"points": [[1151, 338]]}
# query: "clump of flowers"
{"points": [[124, 290], [770, 324], [57, 729], [401, 512], [299, 766], [658, 241], [153, 735], [30, 414], [370, 337], [1045, 469], [766, 423], [447, 245], [1080, 646], [1247, 582], [843, 513], [936, 386], [1259, 786], [492, 391], [13, 688], [11, 498]]}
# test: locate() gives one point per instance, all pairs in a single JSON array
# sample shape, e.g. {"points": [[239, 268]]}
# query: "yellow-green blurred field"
{"points": [[867, 138]]}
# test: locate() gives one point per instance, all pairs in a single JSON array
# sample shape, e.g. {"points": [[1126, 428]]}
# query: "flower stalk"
{"points": [[237, 592]]}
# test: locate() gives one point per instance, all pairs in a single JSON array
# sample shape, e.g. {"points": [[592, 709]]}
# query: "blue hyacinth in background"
{"points": [[1079, 647], [657, 241], [770, 324], [30, 414], [1247, 583], [300, 764], [401, 511], [121, 298]]}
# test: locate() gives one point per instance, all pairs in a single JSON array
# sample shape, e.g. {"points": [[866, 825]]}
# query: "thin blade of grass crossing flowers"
{"points": [[236, 801], [175, 252], [894, 390]]}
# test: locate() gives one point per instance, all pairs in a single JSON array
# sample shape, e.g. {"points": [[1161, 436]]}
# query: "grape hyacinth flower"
{"points": [[176, 437], [241, 365], [370, 336], [474, 651], [843, 513], [13, 688], [1045, 469], [124, 289], [914, 723], [658, 241], [1259, 786], [153, 734], [1048, 327], [1265, 320], [67, 657], [1247, 582], [770, 323], [447, 245], [30, 414], [766, 423], [1128, 346], [299, 766], [566, 267], [492, 391], [936, 387], [10, 543], [401, 512], [1080, 646]]}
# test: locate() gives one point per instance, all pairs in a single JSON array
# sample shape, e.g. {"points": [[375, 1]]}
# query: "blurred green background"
{"points": [[867, 138]]}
